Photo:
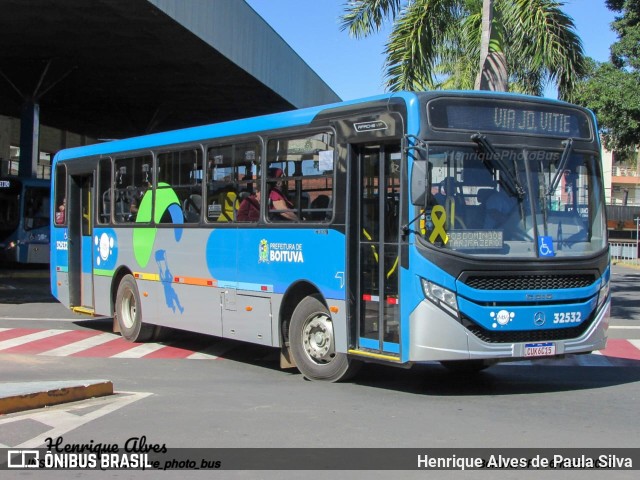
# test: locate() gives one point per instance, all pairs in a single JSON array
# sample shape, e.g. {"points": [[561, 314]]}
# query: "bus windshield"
{"points": [[9, 209], [36, 208], [515, 201]]}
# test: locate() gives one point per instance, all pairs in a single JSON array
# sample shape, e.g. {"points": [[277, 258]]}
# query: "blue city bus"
{"points": [[24, 220], [466, 228]]}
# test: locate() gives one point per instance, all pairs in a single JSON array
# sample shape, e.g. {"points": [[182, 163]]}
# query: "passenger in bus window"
{"points": [[278, 201], [498, 208], [249, 210], [135, 197], [133, 208], [60, 214]]}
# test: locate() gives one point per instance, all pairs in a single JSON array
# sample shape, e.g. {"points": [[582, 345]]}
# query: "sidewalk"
{"points": [[622, 263]]}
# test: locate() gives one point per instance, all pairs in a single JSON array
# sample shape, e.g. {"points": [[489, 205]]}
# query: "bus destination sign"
{"points": [[508, 116]]}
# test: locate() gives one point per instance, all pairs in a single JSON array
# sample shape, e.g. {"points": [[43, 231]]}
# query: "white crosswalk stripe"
{"points": [[31, 337], [79, 346], [139, 351]]}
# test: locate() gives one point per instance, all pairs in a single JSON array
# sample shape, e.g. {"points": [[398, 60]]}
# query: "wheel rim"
{"points": [[128, 309], [317, 338]]}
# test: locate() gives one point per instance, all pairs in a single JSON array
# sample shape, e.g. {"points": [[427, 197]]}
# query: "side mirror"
{"points": [[420, 182]]}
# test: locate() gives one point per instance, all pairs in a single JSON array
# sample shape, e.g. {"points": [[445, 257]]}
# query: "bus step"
{"points": [[83, 310], [390, 357]]}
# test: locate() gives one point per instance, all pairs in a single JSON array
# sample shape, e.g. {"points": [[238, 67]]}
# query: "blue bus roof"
{"points": [[273, 121], [218, 130]]}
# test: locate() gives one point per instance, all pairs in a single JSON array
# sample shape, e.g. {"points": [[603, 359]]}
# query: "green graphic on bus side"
{"points": [[144, 237]]}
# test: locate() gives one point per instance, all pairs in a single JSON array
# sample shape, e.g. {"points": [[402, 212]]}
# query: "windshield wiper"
{"points": [[568, 146], [492, 159]]}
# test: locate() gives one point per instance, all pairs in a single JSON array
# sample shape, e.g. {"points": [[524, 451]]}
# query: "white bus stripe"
{"points": [[139, 350], [79, 346], [31, 337]]}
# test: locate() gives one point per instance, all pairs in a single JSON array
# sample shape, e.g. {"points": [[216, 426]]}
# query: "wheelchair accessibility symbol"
{"points": [[545, 246]]}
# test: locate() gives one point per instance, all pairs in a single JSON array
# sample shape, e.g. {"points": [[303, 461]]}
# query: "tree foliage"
{"points": [[625, 53], [435, 44], [611, 89]]}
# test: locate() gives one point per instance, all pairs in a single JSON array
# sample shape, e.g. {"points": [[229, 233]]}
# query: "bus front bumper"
{"points": [[436, 336]]}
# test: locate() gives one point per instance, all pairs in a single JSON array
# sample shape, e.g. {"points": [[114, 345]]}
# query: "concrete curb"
{"points": [[20, 396]]}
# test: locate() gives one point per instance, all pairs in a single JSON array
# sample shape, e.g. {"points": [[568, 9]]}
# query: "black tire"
{"points": [[465, 367], [128, 312], [312, 344]]}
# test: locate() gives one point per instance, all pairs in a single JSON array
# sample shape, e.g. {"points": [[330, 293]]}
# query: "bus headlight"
{"points": [[603, 294], [442, 297]]}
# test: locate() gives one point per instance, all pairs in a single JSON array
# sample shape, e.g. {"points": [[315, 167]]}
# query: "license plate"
{"points": [[539, 349]]}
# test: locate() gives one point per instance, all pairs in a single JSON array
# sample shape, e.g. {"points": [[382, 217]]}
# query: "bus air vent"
{"points": [[529, 282]]}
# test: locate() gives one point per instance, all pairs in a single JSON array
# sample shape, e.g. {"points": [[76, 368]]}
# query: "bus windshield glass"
{"points": [[9, 208], [516, 202]]}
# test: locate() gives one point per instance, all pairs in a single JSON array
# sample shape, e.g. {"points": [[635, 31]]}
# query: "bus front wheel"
{"points": [[312, 343], [128, 312]]}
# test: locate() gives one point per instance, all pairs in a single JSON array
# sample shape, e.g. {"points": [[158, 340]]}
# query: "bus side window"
{"points": [[106, 206], [232, 176], [192, 207], [121, 206], [180, 178], [222, 197], [228, 201], [132, 180], [60, 195], [300, 178], [104, 191], [320, 208]]}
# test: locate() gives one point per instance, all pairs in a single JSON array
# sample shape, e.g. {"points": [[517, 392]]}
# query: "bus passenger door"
{"points": [[80, 218], [375, 244]]}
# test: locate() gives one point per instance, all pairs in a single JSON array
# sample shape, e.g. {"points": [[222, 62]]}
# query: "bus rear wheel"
{"points": [[312, 343], [128, 312]]}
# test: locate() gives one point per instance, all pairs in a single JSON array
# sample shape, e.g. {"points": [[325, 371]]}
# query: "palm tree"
{"points": [[437, 44], [493, 64]]}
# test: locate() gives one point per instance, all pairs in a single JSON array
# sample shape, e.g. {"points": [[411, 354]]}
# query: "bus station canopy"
{"points": [[118, 68]]}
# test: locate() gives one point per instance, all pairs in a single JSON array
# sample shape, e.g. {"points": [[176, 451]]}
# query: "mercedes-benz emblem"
{"points": [[539, 319]]}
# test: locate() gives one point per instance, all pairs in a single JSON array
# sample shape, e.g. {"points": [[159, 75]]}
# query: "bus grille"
{"points": [[521, 336], [529, 282]]}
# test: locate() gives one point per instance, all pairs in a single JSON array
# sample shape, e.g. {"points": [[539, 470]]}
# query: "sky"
{"points": [[354, 68]]}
